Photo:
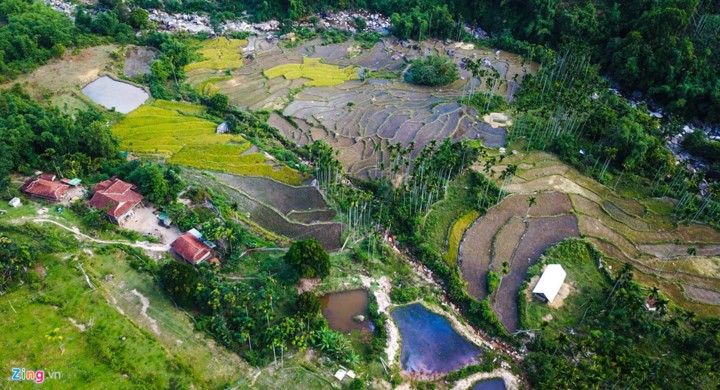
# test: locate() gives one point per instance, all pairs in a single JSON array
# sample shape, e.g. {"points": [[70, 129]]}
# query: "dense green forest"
{"points": [[33, 136]]}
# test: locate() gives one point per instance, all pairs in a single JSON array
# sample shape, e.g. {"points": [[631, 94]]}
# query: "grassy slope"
{"points": [[170, 354], [443, 214]]}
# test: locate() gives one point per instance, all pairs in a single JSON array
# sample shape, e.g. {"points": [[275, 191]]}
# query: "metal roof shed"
{"points": [[550, 282]]}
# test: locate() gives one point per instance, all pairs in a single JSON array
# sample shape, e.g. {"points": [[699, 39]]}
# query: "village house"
{"points": [[192, 248], [44, 186], [117, 197]]}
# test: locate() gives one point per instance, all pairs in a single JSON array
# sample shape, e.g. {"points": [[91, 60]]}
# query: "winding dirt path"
{"points": [[75, 230]]}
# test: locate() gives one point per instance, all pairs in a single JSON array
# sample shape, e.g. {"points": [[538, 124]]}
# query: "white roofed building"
{"points": [[550, 283]]}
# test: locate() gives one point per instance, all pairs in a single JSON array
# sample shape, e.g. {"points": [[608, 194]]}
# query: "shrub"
{"points": [[433, 71], [308, 304], [405, 294], [493, 280]]}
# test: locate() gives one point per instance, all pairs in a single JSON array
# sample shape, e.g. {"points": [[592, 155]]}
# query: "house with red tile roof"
{"points": [[117, 197], [44, 186], [191, 248]]}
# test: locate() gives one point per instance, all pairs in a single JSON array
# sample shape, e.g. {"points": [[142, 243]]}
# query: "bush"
{"points": [[433, 71], [400, 295], [493, 282], [308, 305]]}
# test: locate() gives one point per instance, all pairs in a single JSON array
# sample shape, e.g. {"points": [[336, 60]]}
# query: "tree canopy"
{"points": [[309, 259], [433, 71], [33, 136]]}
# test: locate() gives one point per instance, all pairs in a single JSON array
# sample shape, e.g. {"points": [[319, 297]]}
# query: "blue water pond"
{"points": [[429, 344], [490, 384]]}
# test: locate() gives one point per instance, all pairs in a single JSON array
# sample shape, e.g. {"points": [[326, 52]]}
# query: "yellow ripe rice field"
{"points": [[220, 54], [229, 158], [455, 236], [181, 107], [319, 74], [169, 130]]}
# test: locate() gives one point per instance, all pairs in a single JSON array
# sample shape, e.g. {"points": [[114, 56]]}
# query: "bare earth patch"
{"points": [[145, 305]]}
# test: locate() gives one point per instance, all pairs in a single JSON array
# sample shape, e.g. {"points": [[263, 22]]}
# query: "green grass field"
{"points": [[220, 54], [319, 74]]}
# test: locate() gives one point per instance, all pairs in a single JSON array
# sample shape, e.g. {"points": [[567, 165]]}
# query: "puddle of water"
{"points": [[429, 343], [110, 93], [490, 384], [340, 308]]}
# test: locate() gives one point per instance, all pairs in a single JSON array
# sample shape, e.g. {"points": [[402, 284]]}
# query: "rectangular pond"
{"points": [[111, 94], [429, 343]]}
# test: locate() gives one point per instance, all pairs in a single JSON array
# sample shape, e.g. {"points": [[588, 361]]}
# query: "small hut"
{"points": [[550, 283]]}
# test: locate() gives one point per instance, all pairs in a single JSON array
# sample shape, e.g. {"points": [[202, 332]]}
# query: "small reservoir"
{"points": [[342, 309], [429, 343], [489, 384], [111, 93]]}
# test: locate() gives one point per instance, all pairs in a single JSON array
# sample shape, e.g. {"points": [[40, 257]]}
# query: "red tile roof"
{"points": [[46, 189], [190, 248], [116, 195]]}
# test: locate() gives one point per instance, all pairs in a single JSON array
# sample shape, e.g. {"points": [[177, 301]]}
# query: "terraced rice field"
{"points": [[625, 229], [219, 54], [153, 130], [360, 118], [293, 212], [509, 232], [170, 131], [318, 74]]}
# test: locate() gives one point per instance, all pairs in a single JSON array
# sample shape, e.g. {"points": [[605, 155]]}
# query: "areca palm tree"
{"points": [[531, 201]]}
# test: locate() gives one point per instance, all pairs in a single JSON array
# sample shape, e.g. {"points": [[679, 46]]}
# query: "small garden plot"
{"points": [[220, 54], [318, 73], [443, 214]]}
